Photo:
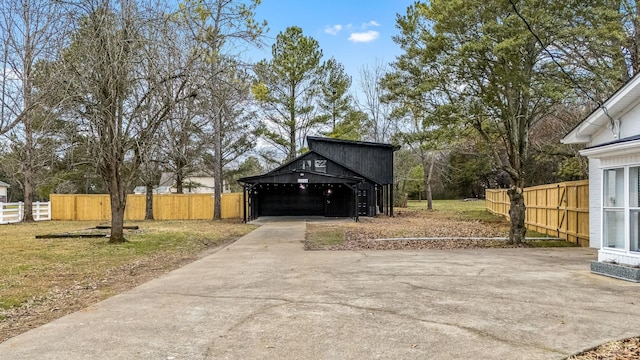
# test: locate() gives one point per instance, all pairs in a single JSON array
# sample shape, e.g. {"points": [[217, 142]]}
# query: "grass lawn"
{"points": [[465, 210], [33, 268], [319, 236]]}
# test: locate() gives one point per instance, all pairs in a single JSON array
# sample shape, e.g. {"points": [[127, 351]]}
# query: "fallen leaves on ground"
{"points": [[367, 233], [627, 349]]}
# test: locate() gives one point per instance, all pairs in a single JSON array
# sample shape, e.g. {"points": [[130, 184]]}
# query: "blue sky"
{"points": [[355, 32]]}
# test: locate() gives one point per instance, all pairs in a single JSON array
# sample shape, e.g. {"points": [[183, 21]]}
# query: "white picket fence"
{"points": [[14, 212]]}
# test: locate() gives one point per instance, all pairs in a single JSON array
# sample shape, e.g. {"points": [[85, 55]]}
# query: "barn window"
{"points": [[321, 166], [305, 164]]}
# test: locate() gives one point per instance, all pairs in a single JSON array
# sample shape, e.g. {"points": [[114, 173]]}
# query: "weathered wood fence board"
{"points": [[560, 210], [165, 207]]}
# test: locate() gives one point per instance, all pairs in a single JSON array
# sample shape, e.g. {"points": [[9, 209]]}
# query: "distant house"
{"points": [[612, 136], [3, 191], [335, 178], [192, 184]]}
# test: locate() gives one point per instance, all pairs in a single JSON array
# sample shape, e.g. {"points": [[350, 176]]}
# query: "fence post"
{"points": [[1, 212], [20, 211]]}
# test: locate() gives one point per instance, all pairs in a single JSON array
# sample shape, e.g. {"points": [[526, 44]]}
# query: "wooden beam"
{"points": [[133, 227], [63, 236]]}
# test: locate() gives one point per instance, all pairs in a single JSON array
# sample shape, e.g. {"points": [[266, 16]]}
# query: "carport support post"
{"points": [[355, 198], [385, 199], [244, 204], [390, 200]]}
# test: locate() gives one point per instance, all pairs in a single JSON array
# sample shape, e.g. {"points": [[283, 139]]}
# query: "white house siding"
{"points": [[605, 135], [3, 191], [629, 126], [619, 257], [595, 203], [622, 160], [595, 130]]}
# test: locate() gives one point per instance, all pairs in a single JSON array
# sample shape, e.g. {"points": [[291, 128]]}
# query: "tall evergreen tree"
{"points": [[287, 87], [335, 101]]}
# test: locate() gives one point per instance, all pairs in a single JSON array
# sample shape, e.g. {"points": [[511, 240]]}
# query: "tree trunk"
{"points": [[428, 173], [118, 204], [118, 198], [27, 94], [429, 194], [292, 126], [517, 213], [28, 195], [179, 181], [149, 200], [217, 169], [28, 168]]}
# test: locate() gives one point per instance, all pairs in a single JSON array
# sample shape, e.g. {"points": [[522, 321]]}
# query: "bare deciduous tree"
{"points": [[381, 125], [219, 28], [233, 132], [30, 32], [114, 75]]}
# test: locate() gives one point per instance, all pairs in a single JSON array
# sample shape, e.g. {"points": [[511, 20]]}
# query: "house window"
{"points": [[614, 208], [621, 218], [634, 208]]}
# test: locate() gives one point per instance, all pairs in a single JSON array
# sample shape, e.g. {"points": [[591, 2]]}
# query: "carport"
{"points": [[335, 178], [301, 193]]}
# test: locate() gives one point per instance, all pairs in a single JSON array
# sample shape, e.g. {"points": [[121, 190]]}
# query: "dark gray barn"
{"points": [[336, 178]]}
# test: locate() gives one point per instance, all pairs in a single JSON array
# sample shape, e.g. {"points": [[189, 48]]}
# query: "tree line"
{"points": [[103, 95]]}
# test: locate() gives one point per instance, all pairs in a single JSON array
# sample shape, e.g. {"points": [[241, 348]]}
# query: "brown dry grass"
{"points": [[41, 280]]}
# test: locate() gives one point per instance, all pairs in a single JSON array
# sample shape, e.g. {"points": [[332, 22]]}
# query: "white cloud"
{"points": [[363, 37], [370, 23], [333, 30]]}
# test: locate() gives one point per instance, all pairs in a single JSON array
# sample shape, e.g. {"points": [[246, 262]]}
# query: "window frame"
{"points": [[625, 208]]}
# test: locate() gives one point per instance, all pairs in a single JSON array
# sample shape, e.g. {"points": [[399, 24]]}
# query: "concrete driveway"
{"points": [[263, 297]]}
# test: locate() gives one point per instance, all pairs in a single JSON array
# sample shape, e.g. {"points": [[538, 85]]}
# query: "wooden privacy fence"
{"points": [[560, 210], [165, 207]]}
